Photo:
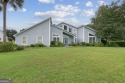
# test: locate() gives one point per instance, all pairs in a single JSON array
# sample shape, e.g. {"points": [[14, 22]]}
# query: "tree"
{"points": [[109, 21], [10, 34], [3, 6]]}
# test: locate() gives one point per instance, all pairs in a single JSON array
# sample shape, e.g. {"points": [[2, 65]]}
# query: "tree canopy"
{"points": [[109, 21]]}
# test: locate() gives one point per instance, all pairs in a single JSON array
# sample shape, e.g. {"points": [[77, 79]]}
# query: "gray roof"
{"points": [[34, 26], [66, 24], [86, 27]]}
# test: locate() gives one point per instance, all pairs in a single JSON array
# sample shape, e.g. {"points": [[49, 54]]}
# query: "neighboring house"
{"points": [[1, 36], [45, 32]]}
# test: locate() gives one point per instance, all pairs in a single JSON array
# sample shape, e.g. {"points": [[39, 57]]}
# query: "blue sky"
{"points": [[76, 12]]}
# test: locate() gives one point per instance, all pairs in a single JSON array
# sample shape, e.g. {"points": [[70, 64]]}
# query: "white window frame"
{"points": [[91, 36], [37, 39], [55, 36], [26, 40]]}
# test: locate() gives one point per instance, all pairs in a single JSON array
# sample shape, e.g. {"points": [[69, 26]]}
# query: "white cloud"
{"points": [[60, 13], [90, 12], [53, 13], [89, 4], [101, 2], [67, 8], [77, 3], [23, 10], [10, 9], [46, 1]]}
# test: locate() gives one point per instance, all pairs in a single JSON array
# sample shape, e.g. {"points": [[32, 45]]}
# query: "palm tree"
{"points": [[3, 6]]}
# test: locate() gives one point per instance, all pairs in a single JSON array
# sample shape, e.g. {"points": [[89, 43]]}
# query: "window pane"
{"points": [[24, 40], [93, 39], [57, 39], [54, 38], [39, 39], [70, 30], [65, 27], [90, 39], [91, 34]]}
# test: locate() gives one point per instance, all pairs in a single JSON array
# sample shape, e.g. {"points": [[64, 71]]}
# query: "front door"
{"points": [[65, 41]]}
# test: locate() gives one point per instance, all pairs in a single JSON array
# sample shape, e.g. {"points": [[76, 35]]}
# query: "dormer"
{"points": [[68, 28]]}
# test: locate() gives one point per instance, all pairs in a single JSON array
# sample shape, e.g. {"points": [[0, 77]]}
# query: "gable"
{"points": [[36, 25]]}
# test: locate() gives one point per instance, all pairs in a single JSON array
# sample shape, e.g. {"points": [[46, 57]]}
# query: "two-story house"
{"points": [[45, 32]]}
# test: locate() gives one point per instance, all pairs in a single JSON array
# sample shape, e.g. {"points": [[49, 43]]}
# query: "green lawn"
{"points": [[64, 65]]}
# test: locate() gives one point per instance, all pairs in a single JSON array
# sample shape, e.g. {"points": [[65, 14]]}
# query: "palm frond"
{"points": [[16, 3]]}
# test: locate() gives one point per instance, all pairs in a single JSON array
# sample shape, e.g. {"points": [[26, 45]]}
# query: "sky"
{"points": [[75, 12]]}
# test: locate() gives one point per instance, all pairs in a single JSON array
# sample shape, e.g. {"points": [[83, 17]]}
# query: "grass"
{"points": [[64, 65]]}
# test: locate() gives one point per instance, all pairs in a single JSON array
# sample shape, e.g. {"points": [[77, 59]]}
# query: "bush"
{"points": [[121, 44], [82, 44], [37, 45], [112, 44], [56, 44], [73, 44], [98, 44], [7, 46], [59, 44], [20, 47], [104, 41]]}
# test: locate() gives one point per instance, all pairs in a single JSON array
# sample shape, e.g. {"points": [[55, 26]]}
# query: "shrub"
{"points": [[121, 44], [98, 44], [32, 45], [7, 46], [73, 44], [112, 44], [104, 41], [59, 44], [82, 44], [37, 45], [56, 44], [20, 47]]}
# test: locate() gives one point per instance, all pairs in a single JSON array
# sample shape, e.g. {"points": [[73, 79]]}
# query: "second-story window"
{"points": [[65, 27], [70, 29]]}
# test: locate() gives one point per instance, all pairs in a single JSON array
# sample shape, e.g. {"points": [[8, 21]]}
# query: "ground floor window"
{"points": [[65, 40], [40, 39], [91, 39], [56, 37], [24, 40]]}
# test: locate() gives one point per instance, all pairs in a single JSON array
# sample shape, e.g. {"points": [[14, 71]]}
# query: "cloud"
{"points": [[89, 4], [23, 10], [90, 12], [10, 9], [101, 2], [60, 11], [53, 13], [77, 3], [47, 1], [67, 8]]}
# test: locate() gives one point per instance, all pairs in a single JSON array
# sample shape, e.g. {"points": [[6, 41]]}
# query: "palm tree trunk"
{"points": [[4, 21]]}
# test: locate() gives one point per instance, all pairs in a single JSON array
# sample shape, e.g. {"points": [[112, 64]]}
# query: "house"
{"points": [[45, 32], [1, 36]]}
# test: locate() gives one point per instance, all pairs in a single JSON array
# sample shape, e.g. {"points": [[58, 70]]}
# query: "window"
{"points": [[24, 40], [92, 38], [65, 27], [70, 29], [56, 37], [39, 39]]}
